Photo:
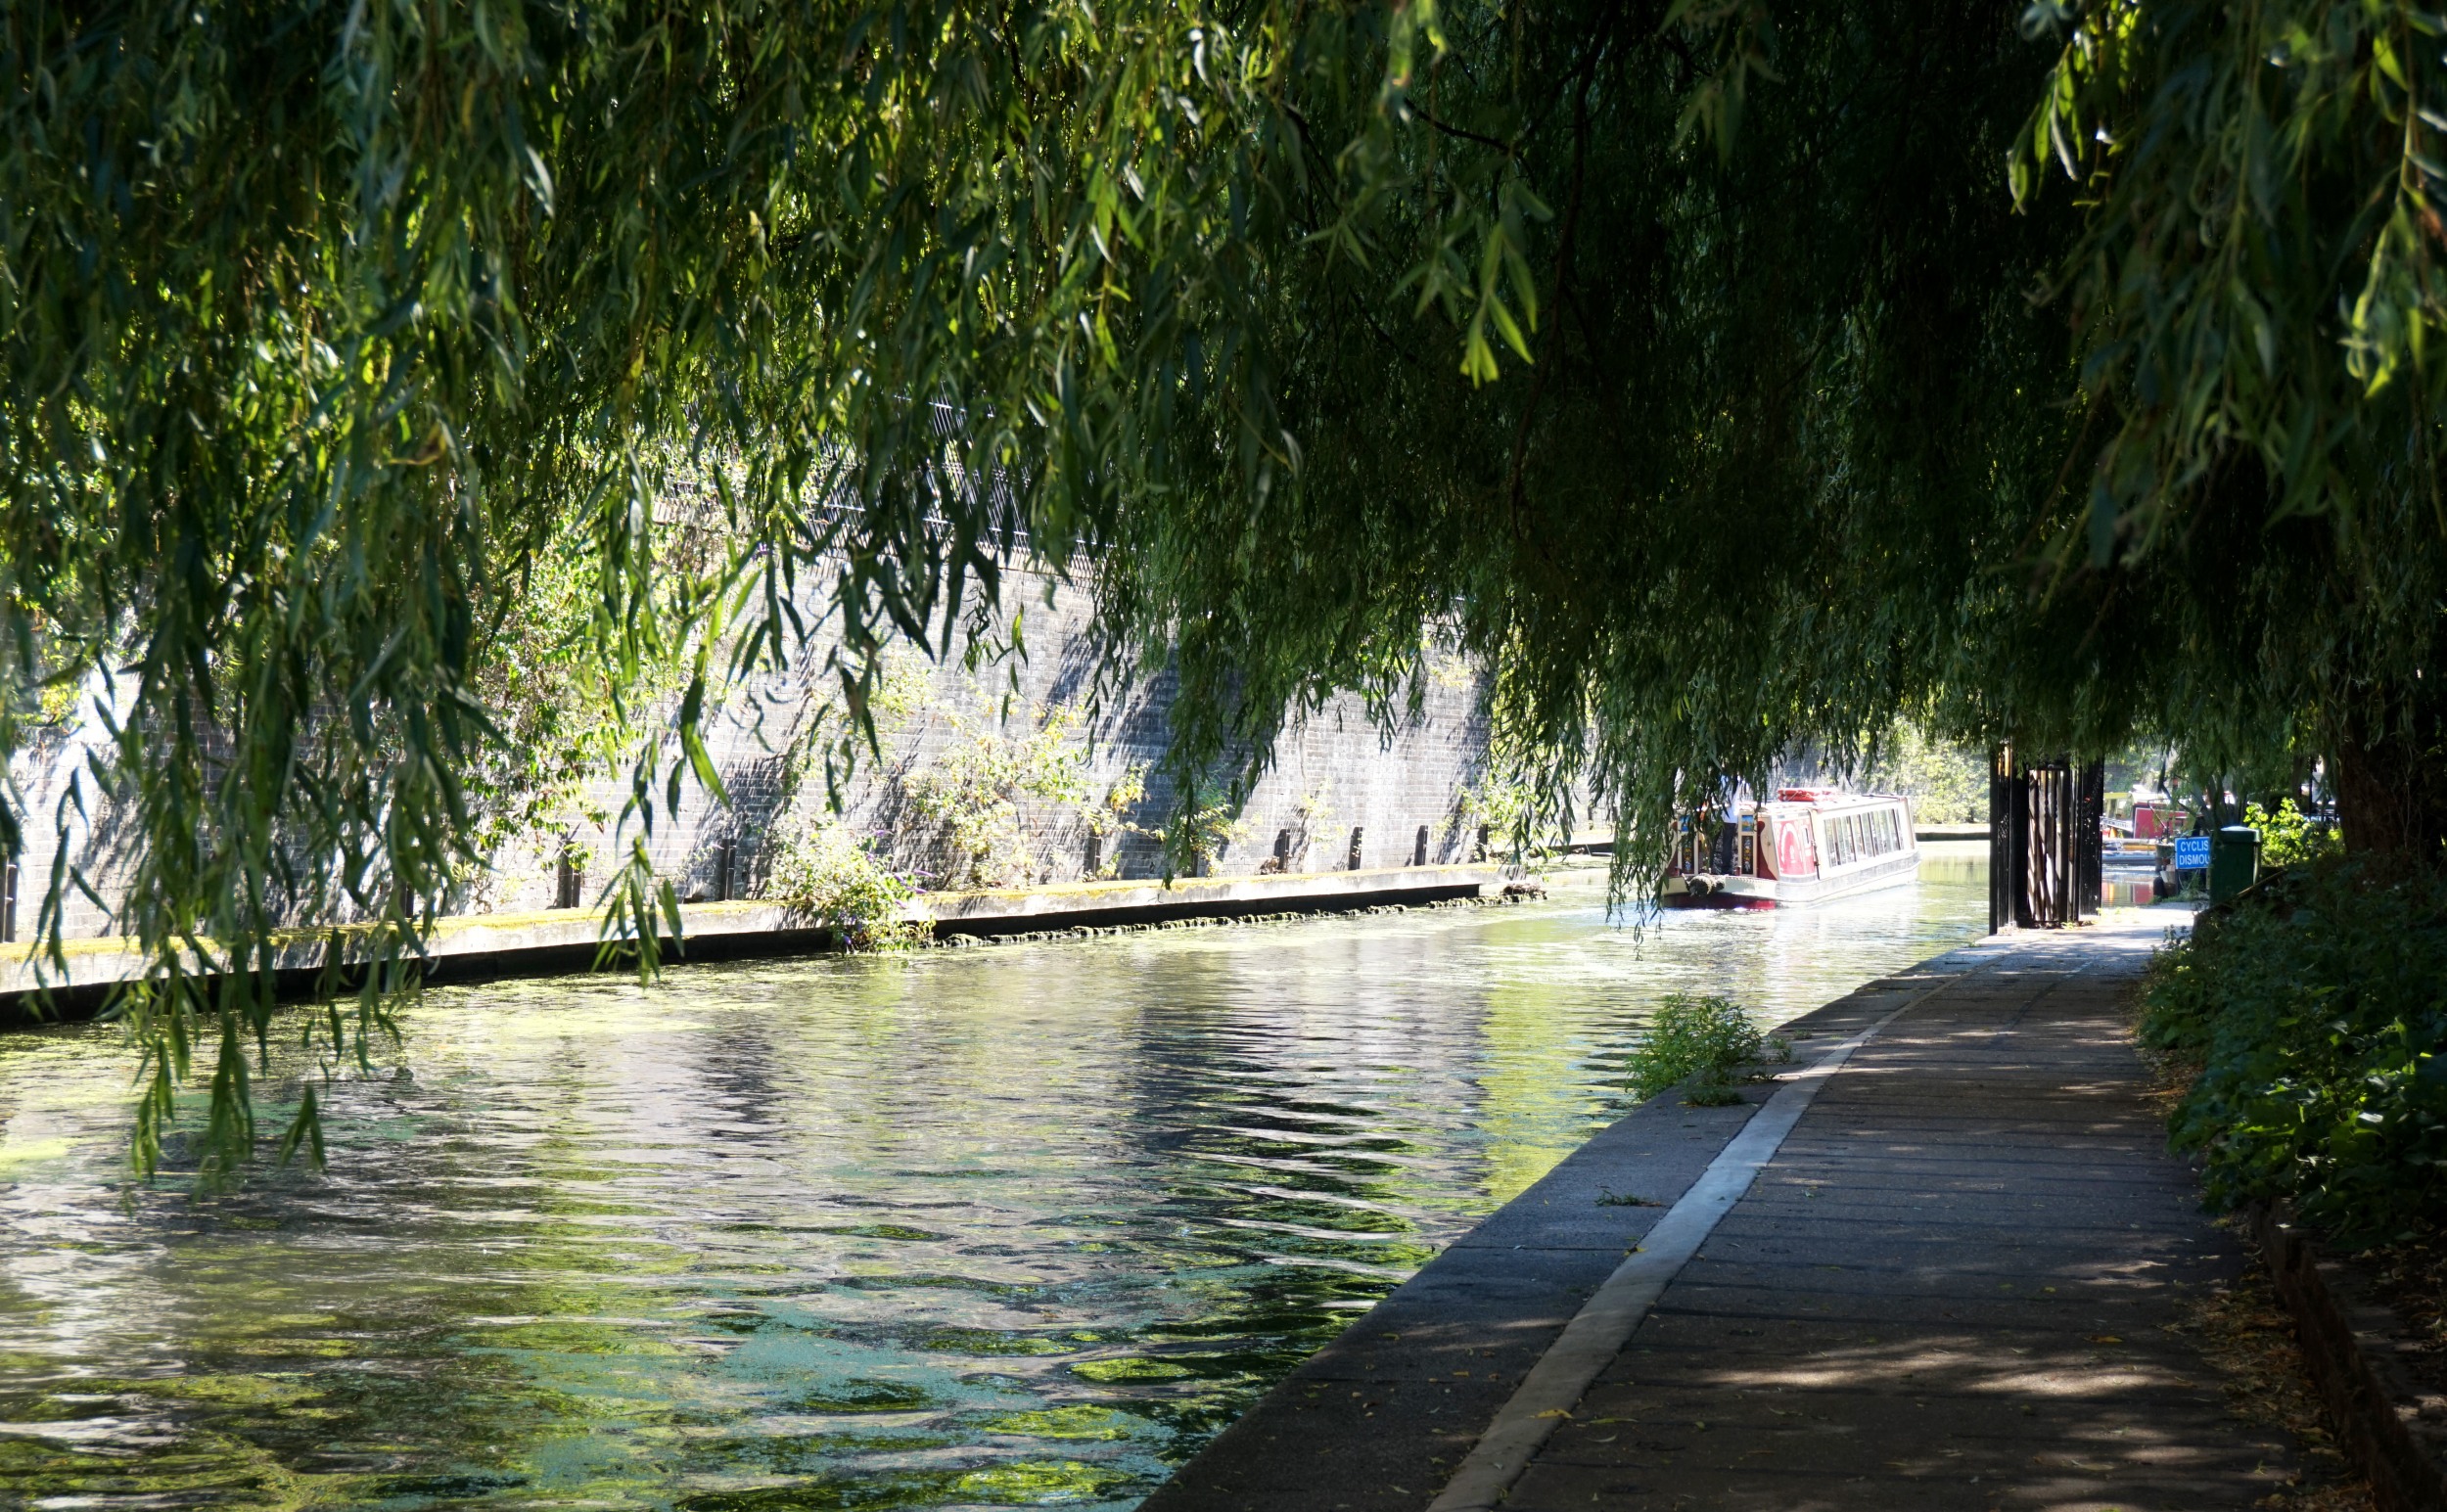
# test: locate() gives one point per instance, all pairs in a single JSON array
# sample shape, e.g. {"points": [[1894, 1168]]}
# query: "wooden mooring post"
{"points": [[2044, 849]]}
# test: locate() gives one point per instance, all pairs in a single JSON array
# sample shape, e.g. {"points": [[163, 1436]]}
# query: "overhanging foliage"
{"points": [[1692, 363]]}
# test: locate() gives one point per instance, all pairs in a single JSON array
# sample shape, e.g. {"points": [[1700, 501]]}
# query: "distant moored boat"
{"points": [[1808, 846]]}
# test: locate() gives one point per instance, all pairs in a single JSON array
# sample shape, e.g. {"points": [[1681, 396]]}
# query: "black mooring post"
{"points": [[2027, 857], [2090, 885], [2003, 886]]}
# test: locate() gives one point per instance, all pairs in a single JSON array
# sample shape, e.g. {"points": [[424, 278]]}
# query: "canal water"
{"points": [[965, 1228]]}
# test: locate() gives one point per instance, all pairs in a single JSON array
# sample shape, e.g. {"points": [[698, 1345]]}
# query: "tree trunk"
{"points": [[2390, 777]]}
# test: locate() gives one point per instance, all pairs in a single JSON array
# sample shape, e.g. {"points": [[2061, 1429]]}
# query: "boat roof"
{"points": [[1832, 797]]}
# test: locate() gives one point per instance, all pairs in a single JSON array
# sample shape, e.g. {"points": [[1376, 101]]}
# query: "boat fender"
{"points": [[1698, 887]]}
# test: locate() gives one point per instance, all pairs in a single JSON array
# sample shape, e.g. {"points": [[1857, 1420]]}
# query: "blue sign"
{"points": [[2191, 853]]}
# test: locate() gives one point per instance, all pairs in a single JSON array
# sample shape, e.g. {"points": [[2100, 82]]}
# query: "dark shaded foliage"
{"points": [[2316, 1006]]}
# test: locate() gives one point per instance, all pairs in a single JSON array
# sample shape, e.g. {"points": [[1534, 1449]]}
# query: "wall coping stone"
{"points": [[542, 942]]}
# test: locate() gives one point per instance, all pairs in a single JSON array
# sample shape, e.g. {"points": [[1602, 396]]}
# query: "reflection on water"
{"points": [[966, 1228], [2127, 887]]}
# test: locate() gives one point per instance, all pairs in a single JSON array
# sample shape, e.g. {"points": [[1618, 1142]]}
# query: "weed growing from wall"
{"points": [[1112, 816], [978, 793], [1201, 834], [834, 875], [1312, 815]]}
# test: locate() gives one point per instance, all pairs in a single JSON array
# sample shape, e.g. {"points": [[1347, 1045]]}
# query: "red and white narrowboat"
{"points": [[1808, 846]]}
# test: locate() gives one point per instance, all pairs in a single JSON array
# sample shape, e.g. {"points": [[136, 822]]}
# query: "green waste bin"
{"points": [[2233, 861]]}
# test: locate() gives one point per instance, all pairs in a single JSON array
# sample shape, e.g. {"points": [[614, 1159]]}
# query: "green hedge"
{"points": [[2316, 1007]]}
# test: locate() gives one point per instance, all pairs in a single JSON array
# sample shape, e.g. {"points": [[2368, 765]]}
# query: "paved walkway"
{"points": [[1957, 1284]]}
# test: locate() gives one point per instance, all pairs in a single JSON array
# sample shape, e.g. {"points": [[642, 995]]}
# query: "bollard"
{"points": [[2233, 861]]}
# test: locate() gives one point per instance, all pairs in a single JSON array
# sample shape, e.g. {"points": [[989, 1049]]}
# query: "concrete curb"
{"points": [[2395, 1432], [491, 946], [1607, 1322]]}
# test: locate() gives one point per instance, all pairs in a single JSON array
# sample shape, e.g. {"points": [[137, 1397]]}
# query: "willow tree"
{"points": [[2255, 286], [2057, 375], [1727, 375], [324, 323]]}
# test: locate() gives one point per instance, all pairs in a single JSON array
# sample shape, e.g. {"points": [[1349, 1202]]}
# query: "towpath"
{"points": [[1960, 1279]]}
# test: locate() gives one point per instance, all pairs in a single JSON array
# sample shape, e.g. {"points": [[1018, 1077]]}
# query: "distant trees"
{"points": [[1731, 374]]}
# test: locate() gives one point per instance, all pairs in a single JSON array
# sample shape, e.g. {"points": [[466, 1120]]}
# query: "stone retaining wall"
{"points": [[1341, 795]]}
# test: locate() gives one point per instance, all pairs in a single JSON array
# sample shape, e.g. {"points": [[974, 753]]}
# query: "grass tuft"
{"points": [[1708, 1041], [1615, 1199]]}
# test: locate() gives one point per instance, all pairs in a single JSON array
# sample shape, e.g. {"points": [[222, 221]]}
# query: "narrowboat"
{"points": [[1806, 846]]}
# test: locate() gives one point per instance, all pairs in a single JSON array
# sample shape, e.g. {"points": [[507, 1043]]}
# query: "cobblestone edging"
{"points": [[2394, 1431]]}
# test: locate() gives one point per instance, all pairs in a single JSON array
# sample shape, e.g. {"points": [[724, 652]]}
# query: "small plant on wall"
{"points": [[980, 790], [1111, 818], [835, 875], [1199, 836], [1314, 816], [1501, 807]]}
